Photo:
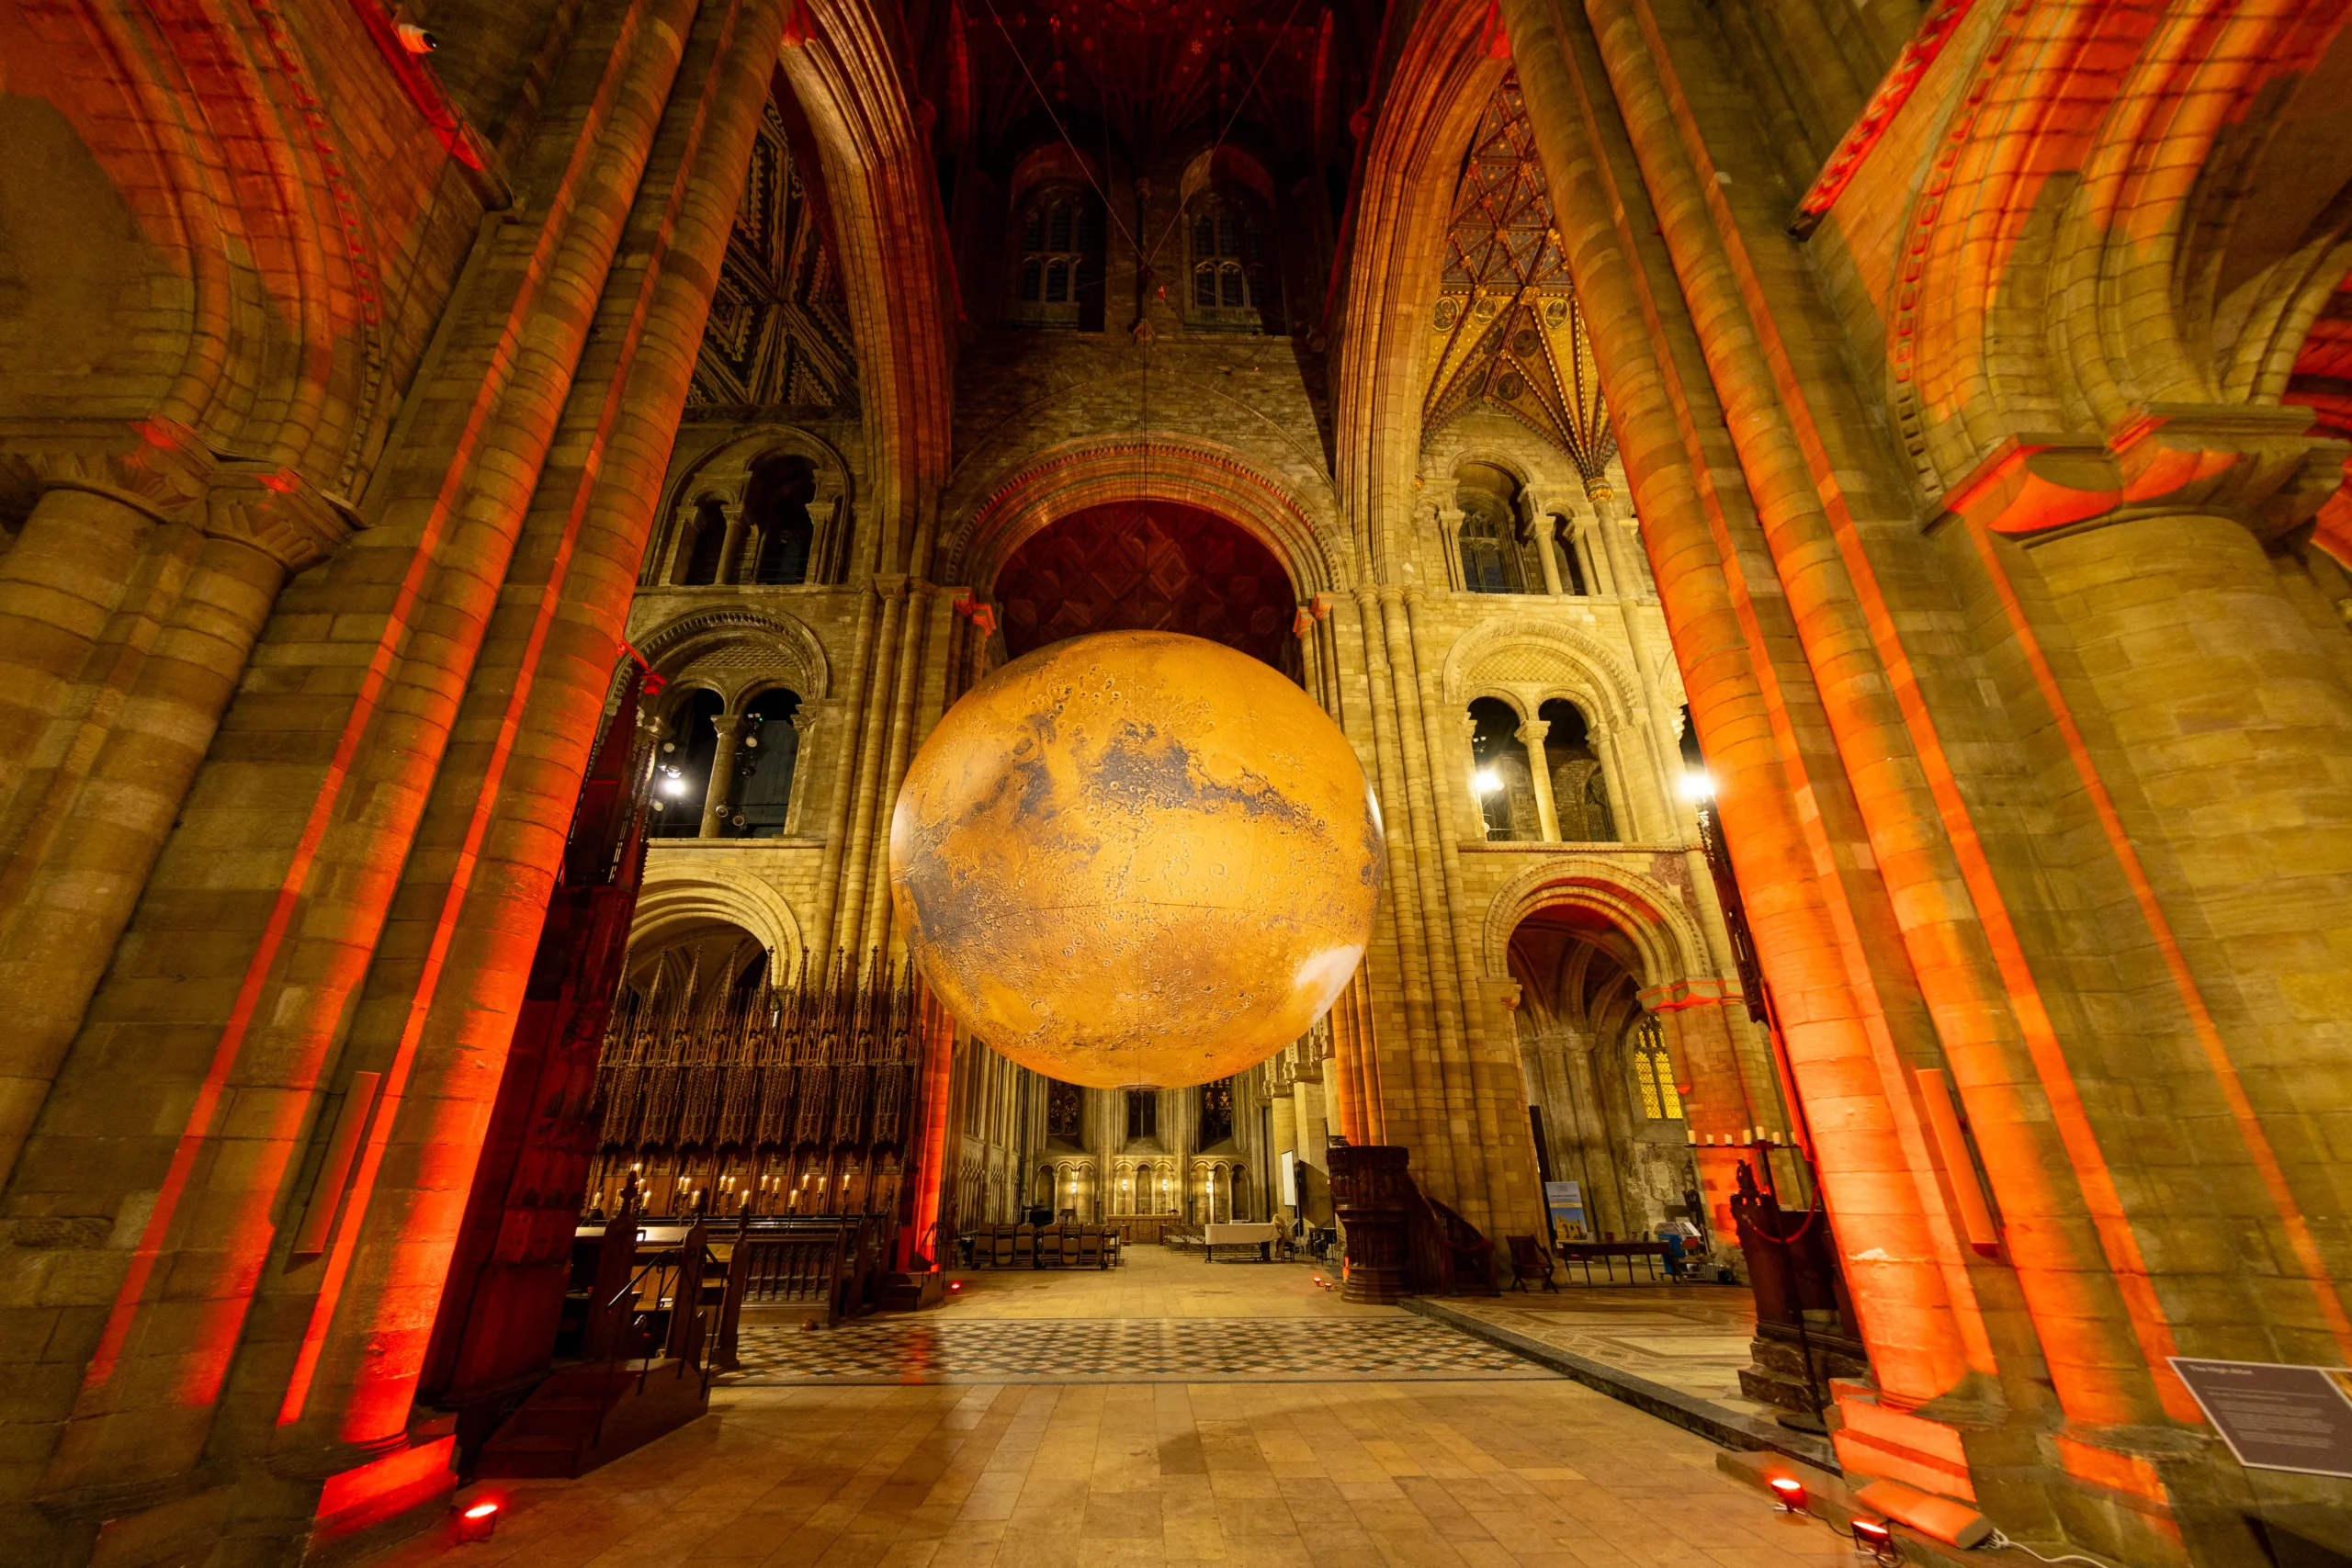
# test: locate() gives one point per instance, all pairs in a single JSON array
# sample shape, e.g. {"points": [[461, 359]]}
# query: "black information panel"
{"points": [[2277, 1417]]}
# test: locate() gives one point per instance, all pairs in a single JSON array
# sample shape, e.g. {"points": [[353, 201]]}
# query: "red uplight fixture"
{"points": [[954, 1286], [1873, 1537], [1791, 1493], [477, 1522]]}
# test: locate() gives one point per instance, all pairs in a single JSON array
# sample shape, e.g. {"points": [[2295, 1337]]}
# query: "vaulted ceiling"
{"points": [[1152, 74], [1506, 332], [779, 332]]}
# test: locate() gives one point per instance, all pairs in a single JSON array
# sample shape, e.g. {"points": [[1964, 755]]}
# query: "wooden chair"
{"points": [[1001, 1248], [1113, 1249], [1089, 1247], [1528, 1259], [1025, 1248]]}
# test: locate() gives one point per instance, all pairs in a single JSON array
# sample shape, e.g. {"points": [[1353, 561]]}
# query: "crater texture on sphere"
{"points": [[1135, 858]]}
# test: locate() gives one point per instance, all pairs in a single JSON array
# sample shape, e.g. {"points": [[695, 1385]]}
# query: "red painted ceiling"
{"points": [[1146, 566]]}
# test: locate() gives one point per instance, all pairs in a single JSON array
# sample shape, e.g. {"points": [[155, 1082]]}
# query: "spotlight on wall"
{"points": [[416, 41], [1697, 785], [1791, 1493], [673, 782], [477, 1522], [1487, 780]]}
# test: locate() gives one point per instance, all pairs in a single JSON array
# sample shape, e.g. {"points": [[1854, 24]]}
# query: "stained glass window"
{"points": [[1654, 1072], [1063, 1104], [1216, 1112]]}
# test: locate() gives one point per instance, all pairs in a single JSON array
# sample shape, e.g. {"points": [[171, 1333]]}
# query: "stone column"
{"points": [[824, 513], [1286, 1129], [1539, 521], [804, 727], [1448, 532], [83, 571], [721, 788], [1588, 1136], [730, 547], [1612, 576], [86, 845], [1547, 810]]}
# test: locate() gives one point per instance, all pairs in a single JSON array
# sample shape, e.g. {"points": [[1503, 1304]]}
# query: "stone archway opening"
{"points": [[1603, 1107]]}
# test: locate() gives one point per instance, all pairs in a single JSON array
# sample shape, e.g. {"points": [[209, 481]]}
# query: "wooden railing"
{"points": [[830, 1261], [1399, 1239], [1449, 1255]]}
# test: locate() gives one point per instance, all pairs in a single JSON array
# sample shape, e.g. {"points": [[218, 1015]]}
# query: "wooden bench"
{"points": [[1585, 1252]]}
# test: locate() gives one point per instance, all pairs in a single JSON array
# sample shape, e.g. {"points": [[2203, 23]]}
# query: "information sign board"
{"points": [[2277, 1416], [1566, 1199]]}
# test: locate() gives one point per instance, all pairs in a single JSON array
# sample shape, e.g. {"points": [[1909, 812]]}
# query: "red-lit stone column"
{"points": [[349, 753], [506, 799], [1844, 997]]}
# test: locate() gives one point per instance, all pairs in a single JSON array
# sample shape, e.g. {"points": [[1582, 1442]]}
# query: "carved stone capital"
{"points": [[152, 466], [2259, 466], [278, 513]]}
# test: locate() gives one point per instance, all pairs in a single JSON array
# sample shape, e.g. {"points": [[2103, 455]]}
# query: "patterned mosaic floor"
{"points": [[1074, 1349]]}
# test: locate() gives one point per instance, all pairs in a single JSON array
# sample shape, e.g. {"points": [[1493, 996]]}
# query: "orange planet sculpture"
{"points": [[1135, 858]]}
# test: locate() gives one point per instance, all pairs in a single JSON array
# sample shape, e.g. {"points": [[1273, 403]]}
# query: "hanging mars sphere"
{"points": [[1135, 858]]}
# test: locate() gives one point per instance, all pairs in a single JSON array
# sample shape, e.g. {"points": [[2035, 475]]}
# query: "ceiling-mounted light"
{"points": [[1697, 785], [1487, 780]]}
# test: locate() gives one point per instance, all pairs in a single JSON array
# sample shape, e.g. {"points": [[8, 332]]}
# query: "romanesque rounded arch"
{"points": [[721, 477], [1518, 657], [840, 59], [1664, 937], [1489, 454], [1079, 474], [680, 898], [722, 473], [735, 651]]}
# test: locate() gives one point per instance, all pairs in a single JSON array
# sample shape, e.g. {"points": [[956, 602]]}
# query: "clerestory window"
{"points": [[1058, 282], [1233, 284]]}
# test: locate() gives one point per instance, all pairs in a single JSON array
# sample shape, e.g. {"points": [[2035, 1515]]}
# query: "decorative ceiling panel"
{"points": [[1507, 331], [1146, 566], [779, 333]]}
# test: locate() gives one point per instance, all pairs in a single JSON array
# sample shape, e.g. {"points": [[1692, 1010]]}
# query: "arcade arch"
{"points": [[1588, 952], [770, 508]]}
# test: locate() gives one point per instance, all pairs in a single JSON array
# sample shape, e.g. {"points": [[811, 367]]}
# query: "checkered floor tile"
{"points": [[1086, 1350]]}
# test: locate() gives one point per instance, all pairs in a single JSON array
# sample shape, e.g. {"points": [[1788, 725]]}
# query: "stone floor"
{"points": [[1381, 1469], [1691, 1337]]}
